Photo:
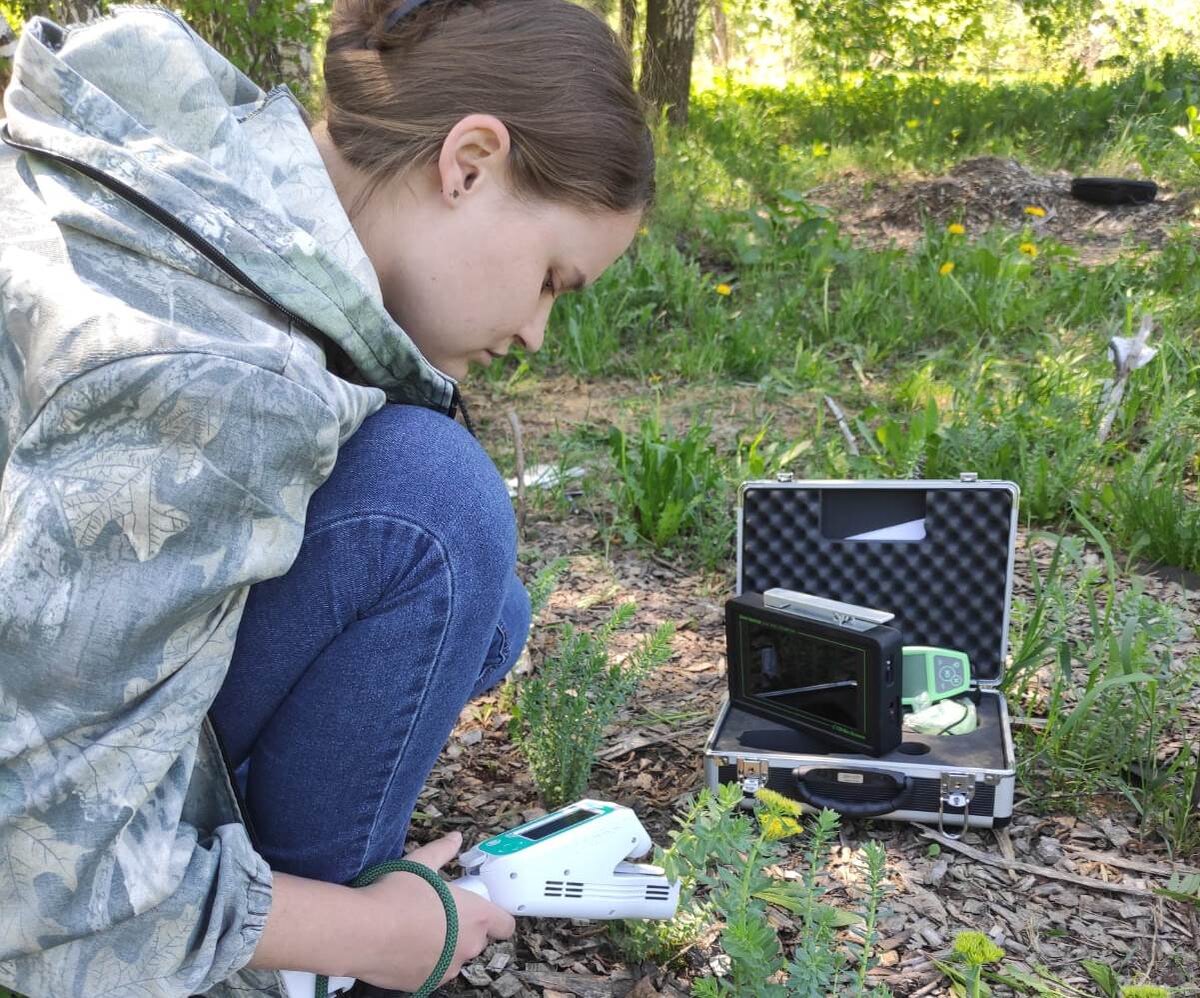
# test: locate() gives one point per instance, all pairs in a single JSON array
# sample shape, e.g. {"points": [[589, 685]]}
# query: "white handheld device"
{"points": [[571, 863]]}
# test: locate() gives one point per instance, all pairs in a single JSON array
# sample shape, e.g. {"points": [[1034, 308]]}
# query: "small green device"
{"points": [[940, 672]]}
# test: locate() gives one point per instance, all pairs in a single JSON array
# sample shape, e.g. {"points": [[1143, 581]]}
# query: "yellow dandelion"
{"points": [[1029, 249], [937, 102], [912, 122], [723, 289], [643, 231], [946, 268], [1035, 211], [955, 229]]}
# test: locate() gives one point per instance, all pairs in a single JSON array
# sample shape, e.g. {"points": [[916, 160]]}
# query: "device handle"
{"points": [[473, 884], [902, 784]]}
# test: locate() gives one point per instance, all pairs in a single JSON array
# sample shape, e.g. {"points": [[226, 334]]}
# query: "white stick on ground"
{"points": [[519, 447], [843, 425], [1128, 353]]}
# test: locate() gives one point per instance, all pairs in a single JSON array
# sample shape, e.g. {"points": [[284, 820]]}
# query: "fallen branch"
{"points": [[1137, 865], [843, 424], [1038, 871]]}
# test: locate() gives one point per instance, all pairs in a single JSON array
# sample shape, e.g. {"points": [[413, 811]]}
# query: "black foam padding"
{"points": [[949, 590], [982, 748]]}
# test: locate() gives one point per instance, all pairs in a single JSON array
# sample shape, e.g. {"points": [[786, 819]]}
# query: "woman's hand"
{"points": [[413, 923]]}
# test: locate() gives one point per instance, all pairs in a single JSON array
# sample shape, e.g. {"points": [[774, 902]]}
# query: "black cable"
{"points": [[466, 414], [965, 714]]}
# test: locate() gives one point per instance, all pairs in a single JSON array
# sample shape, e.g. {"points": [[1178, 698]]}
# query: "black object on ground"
{"points": [[1113, 190]]}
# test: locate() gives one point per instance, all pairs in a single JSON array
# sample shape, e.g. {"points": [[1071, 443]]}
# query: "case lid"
{"points": [[937, 554]]}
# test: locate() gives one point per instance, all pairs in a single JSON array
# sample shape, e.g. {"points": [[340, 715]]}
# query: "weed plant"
{"points": [[1149, 507], [975, 963], [543, 584], [758, 457], [727, 861], [671, 490], [1115, 693], [560, 713]]}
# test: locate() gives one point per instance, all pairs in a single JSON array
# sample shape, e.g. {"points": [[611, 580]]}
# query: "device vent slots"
{"points": [[564, 889], [658, 892]]}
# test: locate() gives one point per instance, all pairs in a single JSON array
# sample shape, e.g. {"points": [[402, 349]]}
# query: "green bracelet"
{"points": [[439, 885]]}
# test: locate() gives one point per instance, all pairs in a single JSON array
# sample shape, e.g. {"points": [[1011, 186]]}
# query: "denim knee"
{"points": [[414, 463]]}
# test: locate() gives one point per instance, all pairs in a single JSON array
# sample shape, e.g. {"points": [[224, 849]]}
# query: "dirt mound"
{"points": [[990, 190]]}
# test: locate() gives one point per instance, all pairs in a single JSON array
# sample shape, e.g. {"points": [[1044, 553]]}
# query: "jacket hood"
{"points": [[175, 152]]}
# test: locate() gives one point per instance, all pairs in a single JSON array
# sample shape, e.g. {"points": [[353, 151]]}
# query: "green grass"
{"points": [[986, 351], [888, 123], [997, 367], [1116, 693]]}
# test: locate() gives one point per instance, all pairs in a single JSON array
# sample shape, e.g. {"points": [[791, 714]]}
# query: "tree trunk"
{"points": [[720, 35], [667, 56], [628, 22]]}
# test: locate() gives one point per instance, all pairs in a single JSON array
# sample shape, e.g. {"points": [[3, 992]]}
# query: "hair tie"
{"points": [[401, 12]]}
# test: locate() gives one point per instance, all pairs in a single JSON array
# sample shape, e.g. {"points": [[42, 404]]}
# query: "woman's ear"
{"points": [[474, 154]]}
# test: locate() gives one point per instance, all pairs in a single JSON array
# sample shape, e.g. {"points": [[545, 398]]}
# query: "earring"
{"points": [[455, 194]]}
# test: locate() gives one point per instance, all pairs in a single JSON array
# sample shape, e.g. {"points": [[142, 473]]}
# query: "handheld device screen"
{"points": [[813, 677], [558, 824]]}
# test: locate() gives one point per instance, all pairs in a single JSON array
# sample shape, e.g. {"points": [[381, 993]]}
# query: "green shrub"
{"points": [[725, 860], [560, 713], [544, 583]]}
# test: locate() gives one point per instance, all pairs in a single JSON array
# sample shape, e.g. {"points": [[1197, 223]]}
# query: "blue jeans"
{"points": [[350, 670]]}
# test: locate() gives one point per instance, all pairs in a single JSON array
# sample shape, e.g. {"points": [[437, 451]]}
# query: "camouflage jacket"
{"points": [[174, 266]]}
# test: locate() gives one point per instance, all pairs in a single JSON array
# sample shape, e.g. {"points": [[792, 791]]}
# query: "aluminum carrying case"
{"points": [[937, 554]]}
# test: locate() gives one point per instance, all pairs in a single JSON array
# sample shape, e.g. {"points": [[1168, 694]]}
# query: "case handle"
{"points": [[902, 784]]}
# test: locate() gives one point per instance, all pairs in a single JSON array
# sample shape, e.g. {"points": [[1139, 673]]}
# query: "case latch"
{"points": [[752, 774], [957, 791]]}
